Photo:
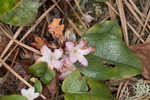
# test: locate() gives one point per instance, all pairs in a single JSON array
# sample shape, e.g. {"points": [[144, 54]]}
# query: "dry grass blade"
{"points": [[139, 36], [13, 61], [146, 22], [119, 90], [74, 26], [136, 9], [19, 43], [38, 21], [11, 42], [32, 28], [83, 24], [123, 89], [112, 8], [134, 31], [18, 76], [134, 14], [111, 13], [123, 20], [80, 10]]}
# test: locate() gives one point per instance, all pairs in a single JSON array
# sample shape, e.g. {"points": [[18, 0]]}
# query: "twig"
{"points": [[123, 89], [111, 13], [119, 90], [17, 75], [31, 29], [11, 41], [19, 43], [123, 20], [83, 24]]}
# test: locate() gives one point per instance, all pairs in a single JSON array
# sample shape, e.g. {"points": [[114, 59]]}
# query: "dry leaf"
{"points": [[55, 28], [39, 42], [143, 52], [53, 86]]}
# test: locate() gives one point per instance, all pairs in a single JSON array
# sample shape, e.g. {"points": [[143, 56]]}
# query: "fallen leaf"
{"points": [[143, 52], [39, 42], [55, 28], [53, 86]]}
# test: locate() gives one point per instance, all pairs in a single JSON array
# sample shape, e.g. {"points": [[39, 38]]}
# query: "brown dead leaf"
{"points": [[143, 52], [39, 42], [55, 28], [53, 86]]}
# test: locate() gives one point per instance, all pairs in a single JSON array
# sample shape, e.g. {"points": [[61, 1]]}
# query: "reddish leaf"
{"points": [[143, 52], [39, 42], [55, 28]]}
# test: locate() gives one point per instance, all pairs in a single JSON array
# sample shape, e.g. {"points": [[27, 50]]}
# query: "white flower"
{"points": [[52, 58], [29, 93], [77, 52], [87, 18]]}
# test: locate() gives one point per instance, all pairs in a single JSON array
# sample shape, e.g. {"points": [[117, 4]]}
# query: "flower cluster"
{"points": [[64, 61]]}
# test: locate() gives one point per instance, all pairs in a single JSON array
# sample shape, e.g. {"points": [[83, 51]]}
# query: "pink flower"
{"points": [[67, 69], [77, 52], [52, 58]]}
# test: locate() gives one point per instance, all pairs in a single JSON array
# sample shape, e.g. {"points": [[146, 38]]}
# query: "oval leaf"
{"points": [[24, 14], [8, 5], [38, 86], [48, 76], [106, 38], [96, 91], [74, 83], [38, 69], [13, 97], [102, 69]]}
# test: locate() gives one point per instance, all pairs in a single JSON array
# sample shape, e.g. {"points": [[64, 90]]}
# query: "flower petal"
{"points": [[73, 59], [67, 61], [57, 64], [69, 45], [85, 51], [24, 92], [83, 61], [58, 53], [31, 90], [45, 50], [36, 95], [82, 43], [64, 74]]}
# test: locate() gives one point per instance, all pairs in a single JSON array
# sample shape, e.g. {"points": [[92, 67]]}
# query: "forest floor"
{"points": [[132, 15]]}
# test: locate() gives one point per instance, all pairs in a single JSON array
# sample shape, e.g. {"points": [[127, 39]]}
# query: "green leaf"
{"points": [[8, 5], [102, 69], [101, 0], [110, 48], [24, 14], [48, 76], [13, 97], [74, 83], [38, 86], [97, 90], [109, 27], [38, 69]]}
